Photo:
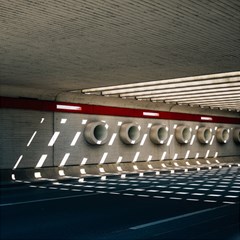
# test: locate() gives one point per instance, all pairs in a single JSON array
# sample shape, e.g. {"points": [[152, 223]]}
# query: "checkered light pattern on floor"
{"points": [[213, 186]]}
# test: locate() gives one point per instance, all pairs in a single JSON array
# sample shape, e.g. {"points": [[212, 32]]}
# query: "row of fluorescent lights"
{"points": [[215, 90]]}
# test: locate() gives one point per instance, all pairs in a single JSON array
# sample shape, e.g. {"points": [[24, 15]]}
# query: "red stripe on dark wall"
{"points": [[42, 105]]}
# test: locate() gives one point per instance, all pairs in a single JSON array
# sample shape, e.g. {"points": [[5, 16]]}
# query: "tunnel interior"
{"points": [[119, 119]]}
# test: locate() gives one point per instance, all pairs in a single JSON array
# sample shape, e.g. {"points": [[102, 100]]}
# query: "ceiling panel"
{"points": [[213, 90], [78, 44]]}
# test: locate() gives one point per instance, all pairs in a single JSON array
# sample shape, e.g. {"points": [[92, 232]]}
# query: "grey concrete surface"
{"points": [[28, 141], [194, 205], [50, 47]]}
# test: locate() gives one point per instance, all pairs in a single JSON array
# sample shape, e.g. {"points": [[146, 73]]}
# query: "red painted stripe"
{"points": [[40, 105]]}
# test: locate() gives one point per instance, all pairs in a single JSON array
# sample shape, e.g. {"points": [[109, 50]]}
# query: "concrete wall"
{"points": [[26, 134]]}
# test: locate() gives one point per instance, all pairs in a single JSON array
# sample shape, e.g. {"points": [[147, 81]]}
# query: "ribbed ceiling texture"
{"points": [[84, 44], [213, 90]]}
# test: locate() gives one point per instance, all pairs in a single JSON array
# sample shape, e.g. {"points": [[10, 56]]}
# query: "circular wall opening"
{"points": [[96, 133], [222, 135], [204, 135], [225, 135], [186, 134], [158, 134], [130, 133], [183, 134], [207, 134], [236, 135], [162, 133], [100, 132], [133, 133]]}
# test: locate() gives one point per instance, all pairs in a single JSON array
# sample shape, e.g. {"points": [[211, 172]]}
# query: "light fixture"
{"points": [[175, 88], [68, 107], [187, 98], [168, 81], [219, 90], [193, 93], [173, 84]]}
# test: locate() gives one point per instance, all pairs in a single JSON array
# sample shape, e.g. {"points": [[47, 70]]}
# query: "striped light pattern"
{"points": [[220, 90]]}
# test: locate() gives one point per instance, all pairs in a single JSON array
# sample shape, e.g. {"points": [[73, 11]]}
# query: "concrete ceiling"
{"points": [[67, 45]]}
